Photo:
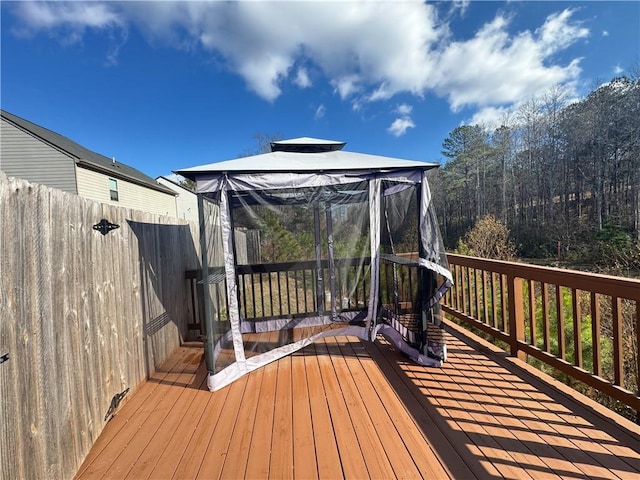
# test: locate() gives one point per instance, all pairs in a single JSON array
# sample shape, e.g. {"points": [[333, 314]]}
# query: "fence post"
{"points": [[516, 315]]}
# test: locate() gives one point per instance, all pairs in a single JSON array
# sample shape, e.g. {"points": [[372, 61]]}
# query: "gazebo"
{"points": [[309, 241]]}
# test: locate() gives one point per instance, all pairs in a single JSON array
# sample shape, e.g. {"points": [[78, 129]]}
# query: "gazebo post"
{"points": [[320, 300], [332, 263], [208, 313]]}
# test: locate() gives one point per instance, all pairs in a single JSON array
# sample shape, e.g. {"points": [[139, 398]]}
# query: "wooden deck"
{"points": [[343, 408]]}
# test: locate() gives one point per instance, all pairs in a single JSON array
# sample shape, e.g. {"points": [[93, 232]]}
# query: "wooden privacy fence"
{"points": [[582, 324], [83, 317]]}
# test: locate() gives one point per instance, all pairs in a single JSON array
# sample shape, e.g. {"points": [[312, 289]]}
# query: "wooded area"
{"points": [[84, 318], [563, 175]]}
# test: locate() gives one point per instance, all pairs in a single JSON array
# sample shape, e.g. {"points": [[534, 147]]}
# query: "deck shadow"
{"points": [[487, 418]]}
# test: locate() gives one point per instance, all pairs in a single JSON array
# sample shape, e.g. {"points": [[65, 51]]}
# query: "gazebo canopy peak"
{"points": [[306, 145]]}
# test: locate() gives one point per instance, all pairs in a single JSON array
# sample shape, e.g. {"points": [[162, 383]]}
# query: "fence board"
{"points": [[84, 317]]}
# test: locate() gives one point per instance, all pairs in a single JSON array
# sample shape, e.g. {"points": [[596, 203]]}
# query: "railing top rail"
{"points": [[593, 282]]}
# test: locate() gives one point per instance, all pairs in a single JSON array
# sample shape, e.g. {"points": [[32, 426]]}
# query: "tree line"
{"points": [[562, 175]]}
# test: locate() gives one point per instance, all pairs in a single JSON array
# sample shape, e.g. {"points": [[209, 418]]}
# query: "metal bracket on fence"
{"points": [[105, 226], [4, 358]]}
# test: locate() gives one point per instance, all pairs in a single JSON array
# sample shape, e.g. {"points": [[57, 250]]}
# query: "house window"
{"points": [[113, 189]]}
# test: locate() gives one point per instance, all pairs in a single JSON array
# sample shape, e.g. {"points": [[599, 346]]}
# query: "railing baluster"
{"points": [[262, 313], [506, 281], [577, 328], [270, 295], [545, 318], [295, 285], [616, 318], [484, 297], [638, 352], [560, 322], [504, 301], [243, 295], [595, 334], [279, 293], [458, 287], [304, 290], [494, 302], [463, 288], [477, 291], [532, 314], [253, 297], [288, 293], [516, 316], [364, 285]]}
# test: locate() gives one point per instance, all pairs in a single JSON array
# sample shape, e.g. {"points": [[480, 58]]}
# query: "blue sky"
{"points": [[167, 85]]}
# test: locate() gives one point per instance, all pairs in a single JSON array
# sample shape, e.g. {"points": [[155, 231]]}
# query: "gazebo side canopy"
{"points": [[310, 241]]}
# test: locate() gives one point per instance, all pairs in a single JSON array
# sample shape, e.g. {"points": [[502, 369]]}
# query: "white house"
{"points": [[186, 200]]}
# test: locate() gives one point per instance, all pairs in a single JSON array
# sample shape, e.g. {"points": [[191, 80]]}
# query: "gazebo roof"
{"points": [[305, 155]]}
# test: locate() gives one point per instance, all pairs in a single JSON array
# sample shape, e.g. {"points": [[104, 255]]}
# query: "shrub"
{"points": [[489, 238]]}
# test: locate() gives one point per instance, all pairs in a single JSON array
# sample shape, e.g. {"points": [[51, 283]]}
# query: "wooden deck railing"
{"points": [[289, 289], [301, 288], [584, 325]]}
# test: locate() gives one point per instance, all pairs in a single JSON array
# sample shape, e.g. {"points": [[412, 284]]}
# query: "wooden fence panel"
{"points": [[83, 317]]}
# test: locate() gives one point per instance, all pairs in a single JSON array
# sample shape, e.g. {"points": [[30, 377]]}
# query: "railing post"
{"points": [[516, 315]]}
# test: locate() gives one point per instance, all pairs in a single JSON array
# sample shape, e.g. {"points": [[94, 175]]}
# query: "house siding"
{"points": [[24, 156], [186, 201], [95, 186]]}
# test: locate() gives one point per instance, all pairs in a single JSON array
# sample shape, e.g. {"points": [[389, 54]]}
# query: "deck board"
{"points": [[304, 458], [344, 408]]}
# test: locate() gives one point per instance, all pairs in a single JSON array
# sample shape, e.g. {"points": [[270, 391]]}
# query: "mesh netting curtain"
{"points": [[337, 254]]}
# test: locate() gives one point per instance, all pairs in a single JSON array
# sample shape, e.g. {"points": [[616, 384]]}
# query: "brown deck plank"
{"points": [[259, 451], [177, 441], [494, 440], [159, 415], [423, 413], [567, 455], [400, 459], [353, 463], [234, 418], [235, 464], [371, 447], [210, 442], [480, 441], [192, 400], [327, 456], [346, 408], [418, 447], [178, 370], [547, 421], [512, 391], [281, 466], [428, 394], [305, 465]]}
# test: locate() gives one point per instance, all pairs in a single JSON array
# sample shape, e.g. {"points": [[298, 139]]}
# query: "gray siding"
{"points": [[24, 156]]}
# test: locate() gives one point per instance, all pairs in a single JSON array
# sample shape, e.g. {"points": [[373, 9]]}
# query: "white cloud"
{"points": [[367, 50], [400, 126], [496, 68], [461, 5], [72, 19], [302, 78], [605, 33], [490, 117], [404, 109], [320, 111], [558, 33]]}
